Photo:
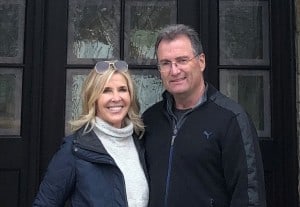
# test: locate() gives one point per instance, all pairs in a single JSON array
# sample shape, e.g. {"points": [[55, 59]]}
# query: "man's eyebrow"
{"points": [[176, 58], [183, 56], [164, 60]]}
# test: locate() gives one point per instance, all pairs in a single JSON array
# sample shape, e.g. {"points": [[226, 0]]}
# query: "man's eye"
{"points": [[165, 63], [182, 61]]}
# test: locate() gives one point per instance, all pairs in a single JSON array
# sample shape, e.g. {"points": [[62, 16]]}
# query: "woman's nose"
{"points": [[116, 96]]}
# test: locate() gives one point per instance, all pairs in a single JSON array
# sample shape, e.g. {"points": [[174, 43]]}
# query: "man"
{"points": [[201, 147]]}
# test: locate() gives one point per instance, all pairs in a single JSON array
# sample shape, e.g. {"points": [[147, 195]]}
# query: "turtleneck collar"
{"points": [[105, 128]]}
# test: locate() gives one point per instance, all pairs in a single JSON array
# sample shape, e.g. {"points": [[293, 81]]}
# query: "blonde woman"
{"points": [[102, 162]]}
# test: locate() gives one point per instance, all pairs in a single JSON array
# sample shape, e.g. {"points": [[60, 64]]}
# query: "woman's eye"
{"points": [[123, 89], [106, 90]]}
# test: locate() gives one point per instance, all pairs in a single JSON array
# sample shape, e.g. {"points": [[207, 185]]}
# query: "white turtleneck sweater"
{"points": [[118, 142]]}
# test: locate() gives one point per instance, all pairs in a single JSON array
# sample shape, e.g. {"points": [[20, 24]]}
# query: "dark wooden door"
{"points": [[271, 70], [21, 52]]}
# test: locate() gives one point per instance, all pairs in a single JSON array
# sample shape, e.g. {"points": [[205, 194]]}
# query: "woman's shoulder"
{"points": [[66, 146], [68, 140]]}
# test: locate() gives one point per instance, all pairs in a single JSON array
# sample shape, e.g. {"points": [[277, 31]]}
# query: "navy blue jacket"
{"points": [[83, 172], [208, 158]]}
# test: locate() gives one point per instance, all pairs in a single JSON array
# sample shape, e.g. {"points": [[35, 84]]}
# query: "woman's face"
{"points": [[113, 104]]}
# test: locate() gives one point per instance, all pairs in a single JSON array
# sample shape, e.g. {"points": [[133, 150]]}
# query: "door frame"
{"points": [[49, 47]]}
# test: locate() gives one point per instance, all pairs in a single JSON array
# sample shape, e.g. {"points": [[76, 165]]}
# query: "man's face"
{"points": [[181, 80]]}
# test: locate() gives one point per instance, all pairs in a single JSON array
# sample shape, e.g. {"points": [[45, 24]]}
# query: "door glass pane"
{"points": [[148, 84], [10, 101], [244, 32], [75, 79], [143, 20], [251, 89], [93, 30], [149, 87], [11, 31]]}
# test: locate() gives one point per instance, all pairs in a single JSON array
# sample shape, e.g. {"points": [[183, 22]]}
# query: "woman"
{"points": [[102, 162]]}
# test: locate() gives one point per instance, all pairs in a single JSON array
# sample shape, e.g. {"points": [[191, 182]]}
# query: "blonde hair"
{"points": [[92, 87]]}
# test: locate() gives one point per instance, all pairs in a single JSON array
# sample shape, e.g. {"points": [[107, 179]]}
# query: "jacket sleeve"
{"points": [[243, 169], [59, 179]]}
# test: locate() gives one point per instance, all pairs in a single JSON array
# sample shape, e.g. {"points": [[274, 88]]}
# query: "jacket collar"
{"points": [[89, 141], [169, 99]]}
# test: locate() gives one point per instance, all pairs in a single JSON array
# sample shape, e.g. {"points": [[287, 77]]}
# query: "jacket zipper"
{"points": [[170, 166]]}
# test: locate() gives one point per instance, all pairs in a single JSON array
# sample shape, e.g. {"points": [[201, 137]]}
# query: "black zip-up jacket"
{"points": [[208, 158]]}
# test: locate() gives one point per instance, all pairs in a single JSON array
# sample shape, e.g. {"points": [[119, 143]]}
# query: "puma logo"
{"points": [[207, 134]]}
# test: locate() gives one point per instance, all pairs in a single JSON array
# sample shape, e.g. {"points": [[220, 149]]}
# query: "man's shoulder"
{"points": [[154, 108], [153, 113], [225, 102]]}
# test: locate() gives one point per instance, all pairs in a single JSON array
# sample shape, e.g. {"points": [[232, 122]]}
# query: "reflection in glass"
{"points": [[148, 84], [10, 101], [94, 30], [143, 20], [244, 32], [11, 31], [251, 90], [149, 88], [75, 79]]}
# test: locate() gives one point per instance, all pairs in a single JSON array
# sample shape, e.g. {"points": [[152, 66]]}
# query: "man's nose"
{"points": [[174, 68]]}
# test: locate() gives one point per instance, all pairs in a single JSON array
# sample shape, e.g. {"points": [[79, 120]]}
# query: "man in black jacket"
{"points": [[201, 147]]}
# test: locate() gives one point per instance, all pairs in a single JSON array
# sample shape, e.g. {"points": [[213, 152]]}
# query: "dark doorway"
{"points": [[25, 156]]}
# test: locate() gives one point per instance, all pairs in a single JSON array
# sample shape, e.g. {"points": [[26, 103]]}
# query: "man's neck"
{"points": [[187, 101]]}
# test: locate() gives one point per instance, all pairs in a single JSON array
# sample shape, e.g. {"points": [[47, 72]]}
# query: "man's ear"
{"points": [[202, 61]]}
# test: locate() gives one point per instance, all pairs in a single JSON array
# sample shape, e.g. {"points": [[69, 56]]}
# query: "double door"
{"points": [[49, 47]]}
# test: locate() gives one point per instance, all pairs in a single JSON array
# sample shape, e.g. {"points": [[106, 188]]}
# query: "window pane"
{"points": [[75, 79], [11, 31], [252, 90], [143, 20], [244, 33], [148, 84], [93, 30], [10, 101], [149, 87]]}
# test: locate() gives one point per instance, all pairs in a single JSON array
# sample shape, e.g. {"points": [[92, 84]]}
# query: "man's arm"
{"points": [[243, 169]]}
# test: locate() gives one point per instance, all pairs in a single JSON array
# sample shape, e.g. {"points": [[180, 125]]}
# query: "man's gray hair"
{"points": [[170, 32]]}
